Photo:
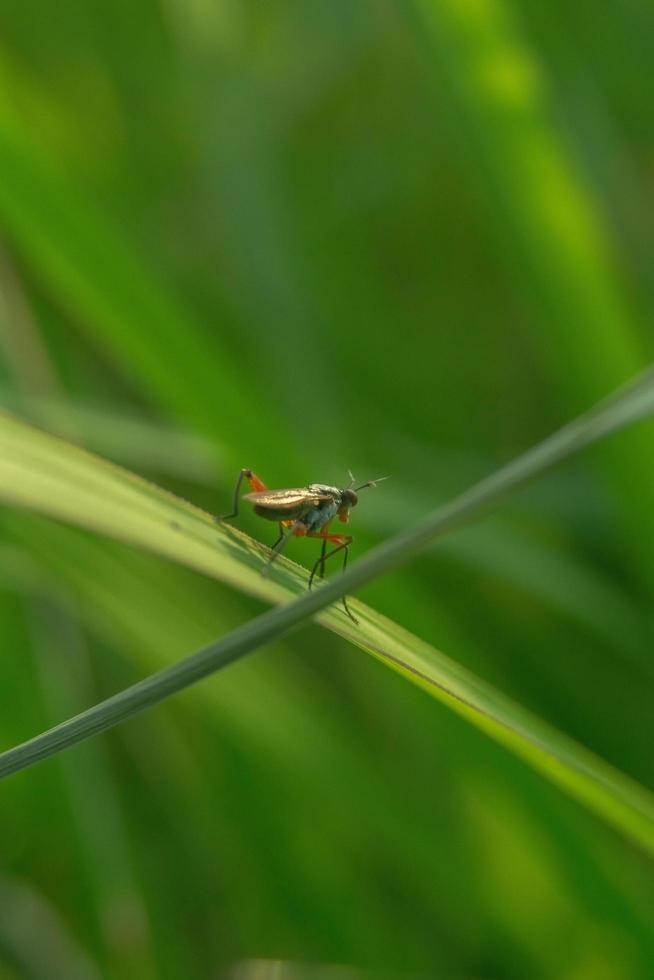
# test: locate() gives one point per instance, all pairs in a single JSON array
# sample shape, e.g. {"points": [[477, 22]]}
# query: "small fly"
{"points": [[303, 512]]}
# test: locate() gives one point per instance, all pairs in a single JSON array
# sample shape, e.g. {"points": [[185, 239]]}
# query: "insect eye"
{"points": [[350, 498]]}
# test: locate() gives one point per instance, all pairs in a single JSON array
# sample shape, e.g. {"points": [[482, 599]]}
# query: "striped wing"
{"points": [[286, 499]]}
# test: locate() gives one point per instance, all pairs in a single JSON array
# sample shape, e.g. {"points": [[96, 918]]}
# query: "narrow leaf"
{"points": [[49, 475]]}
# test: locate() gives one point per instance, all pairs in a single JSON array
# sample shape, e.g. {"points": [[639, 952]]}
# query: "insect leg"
{"points": [[346, 552], [343, 542], [255, 483], [297, 527], [282, 534], [340, 540], [321, 572]]}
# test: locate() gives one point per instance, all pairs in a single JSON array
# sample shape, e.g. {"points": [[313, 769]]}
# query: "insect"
{"points": [[303, 512]]}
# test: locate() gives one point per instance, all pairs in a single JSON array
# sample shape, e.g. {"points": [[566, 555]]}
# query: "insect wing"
{"points": [[285, 499]]}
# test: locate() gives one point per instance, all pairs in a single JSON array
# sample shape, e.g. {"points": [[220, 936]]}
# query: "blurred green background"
{"points": [[402, 238]]}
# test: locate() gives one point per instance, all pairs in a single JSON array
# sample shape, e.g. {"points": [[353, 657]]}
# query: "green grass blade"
{"points": [[548, 217], [47, 474]]}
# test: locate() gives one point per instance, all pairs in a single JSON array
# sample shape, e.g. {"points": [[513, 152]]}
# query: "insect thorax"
{"points": [[322, 513]]}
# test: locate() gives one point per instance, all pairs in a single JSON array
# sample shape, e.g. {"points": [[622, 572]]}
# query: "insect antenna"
{"points": [[370, 483]]}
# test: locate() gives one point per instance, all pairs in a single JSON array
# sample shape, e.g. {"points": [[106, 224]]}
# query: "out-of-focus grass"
{"points": [[358, 244], [550, 228]]}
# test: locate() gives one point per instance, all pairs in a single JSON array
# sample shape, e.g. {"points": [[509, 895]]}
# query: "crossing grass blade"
{"points": [[49, 475]]}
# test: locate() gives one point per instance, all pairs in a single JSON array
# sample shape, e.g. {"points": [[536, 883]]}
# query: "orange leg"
{"points": [[255, 484]]}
